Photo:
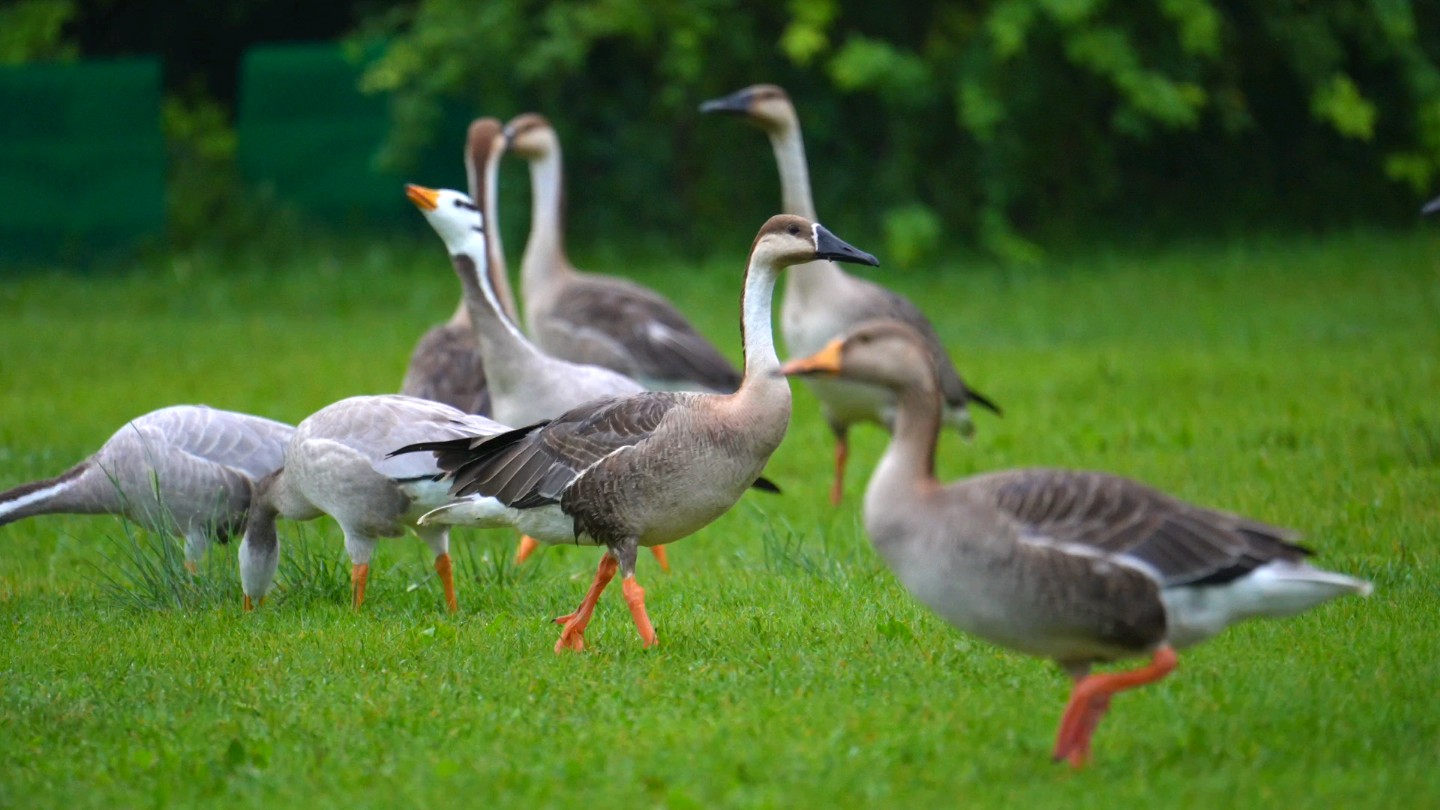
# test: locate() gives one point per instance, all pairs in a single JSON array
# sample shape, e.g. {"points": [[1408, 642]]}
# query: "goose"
{"points": [[597, 319], [447, 365], [823, 301], [1078, 567], [188, 470], [1430, 207], [645, 469], [526, 385], [336, 464]]}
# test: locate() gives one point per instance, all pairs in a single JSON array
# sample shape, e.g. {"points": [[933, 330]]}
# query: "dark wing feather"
{"points": [[533, 466], [1185, 544], [663, 343], [884, 303]]}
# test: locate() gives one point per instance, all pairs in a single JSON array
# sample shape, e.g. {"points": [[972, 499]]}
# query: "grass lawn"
{"points": [[1293, 380]]}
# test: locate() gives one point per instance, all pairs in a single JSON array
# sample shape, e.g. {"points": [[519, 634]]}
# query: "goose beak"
{"points": [[829, 246], [737, 103], [426, 199], [826, 361], [1431, 207]]}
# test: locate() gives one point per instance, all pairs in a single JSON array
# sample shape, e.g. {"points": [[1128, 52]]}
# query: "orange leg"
{"points": [[447, 579], [842, 454], [573, 636], [527, 547], [249, 606], [635, 598], [359, 573], [192, 567], [660, 557], [1091, 698]]}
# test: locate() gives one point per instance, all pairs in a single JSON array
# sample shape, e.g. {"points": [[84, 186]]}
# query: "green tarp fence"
{"points": [[311, 138], [82, 159]]}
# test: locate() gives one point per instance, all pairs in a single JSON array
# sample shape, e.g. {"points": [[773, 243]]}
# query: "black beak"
{"points": [[1431, 207], [737, 103], [829, 246]]}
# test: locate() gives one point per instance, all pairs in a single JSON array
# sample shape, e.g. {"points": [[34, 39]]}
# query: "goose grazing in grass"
{"points": [[1079, 567], [822, 301], [336, 464], [596, 319], [645, 469], [186, 469], [526, 385]]}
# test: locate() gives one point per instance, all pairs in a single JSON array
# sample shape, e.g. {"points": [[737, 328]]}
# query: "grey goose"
{"points": [[1078, 567], [645, 469], [186, 469]]}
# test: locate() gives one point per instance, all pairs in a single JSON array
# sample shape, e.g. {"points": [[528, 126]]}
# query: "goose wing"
{"points": [[533, 466], [661, 343], [251, 445], [1095, 513]]}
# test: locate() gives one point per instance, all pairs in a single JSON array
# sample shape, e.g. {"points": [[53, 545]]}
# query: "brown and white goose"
{"points": [[823, 301], [597, 319], [1079, 567], [447, 365], [646, 469], [336, 464], [186, 469], [526, 385]]}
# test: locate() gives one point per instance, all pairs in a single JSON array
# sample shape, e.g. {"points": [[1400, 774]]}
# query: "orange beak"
{"points": [[426, 199], [826, 361]]}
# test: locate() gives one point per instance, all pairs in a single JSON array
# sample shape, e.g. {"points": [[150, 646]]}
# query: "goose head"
{"points": [[886, 353], [766, 105], [786, 239], [530, 136], [452, 214]]}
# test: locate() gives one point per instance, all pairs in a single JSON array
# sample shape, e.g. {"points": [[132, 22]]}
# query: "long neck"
{"points": [[498, 334], [909, 460], [756, 334], [789, 148], [486, 189], [545, 249]]}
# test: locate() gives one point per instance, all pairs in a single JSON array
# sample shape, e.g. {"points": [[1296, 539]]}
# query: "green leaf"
{"points": [[1339, 103]]}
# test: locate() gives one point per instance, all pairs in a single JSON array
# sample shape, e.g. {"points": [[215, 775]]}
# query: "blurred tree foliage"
{"points": [[1011, 122], [33, 30]]}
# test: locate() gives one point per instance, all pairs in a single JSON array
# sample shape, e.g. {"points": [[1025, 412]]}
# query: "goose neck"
{"points": [[545, 249], [488, 197], [756, 331], [495, 330], [908, 464], [789, 148]]}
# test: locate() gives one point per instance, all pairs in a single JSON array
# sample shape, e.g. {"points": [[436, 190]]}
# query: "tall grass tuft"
{"points": [[145, 571]]}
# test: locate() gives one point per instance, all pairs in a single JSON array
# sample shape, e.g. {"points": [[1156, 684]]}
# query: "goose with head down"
{"points": [[598, 319], [1078, 567], [336, 465], [526, 384], [645, 469], [823, 301], [186, 469]]}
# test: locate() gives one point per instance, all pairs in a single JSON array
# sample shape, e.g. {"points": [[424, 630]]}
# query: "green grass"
{"points": [[1295, 380]]}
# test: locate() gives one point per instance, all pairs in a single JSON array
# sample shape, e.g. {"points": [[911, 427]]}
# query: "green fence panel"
{"points": [[307, 134], [82, 159]]}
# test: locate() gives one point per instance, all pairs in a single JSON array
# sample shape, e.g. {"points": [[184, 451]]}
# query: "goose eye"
{"points": [[793, 230]]}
